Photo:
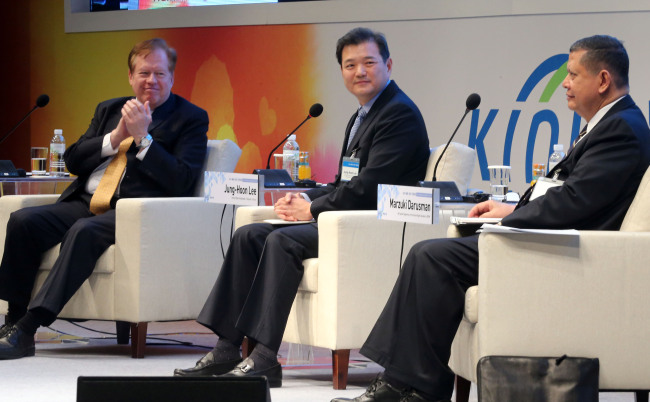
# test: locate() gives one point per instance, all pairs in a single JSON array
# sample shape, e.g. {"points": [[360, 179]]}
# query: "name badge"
{"points": [[542, 185], [349, 168]]}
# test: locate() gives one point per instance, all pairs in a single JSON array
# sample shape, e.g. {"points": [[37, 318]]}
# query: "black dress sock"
{"points": [[35, 318], [29, 323], [225, 350], [264, 357], [15, 313]]}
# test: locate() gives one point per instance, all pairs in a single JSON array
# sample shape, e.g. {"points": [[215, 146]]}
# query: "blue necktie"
{"points": [[361, 114]]}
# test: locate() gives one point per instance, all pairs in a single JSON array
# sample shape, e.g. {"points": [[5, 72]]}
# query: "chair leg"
{"points": [[340, 362], [123, 330], [247, 347], [462, 389], [641, 396], [138, 339]]}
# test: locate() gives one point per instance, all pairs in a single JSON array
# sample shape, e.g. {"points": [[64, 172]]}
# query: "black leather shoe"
{"points": [[414, 396], [16, 344], [378, 391], [247, 369], [207, 366], [4, 329]]}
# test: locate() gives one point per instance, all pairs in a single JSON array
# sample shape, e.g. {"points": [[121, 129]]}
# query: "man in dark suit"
{"points": [[263, 267], [413, 335], [162, 140]]}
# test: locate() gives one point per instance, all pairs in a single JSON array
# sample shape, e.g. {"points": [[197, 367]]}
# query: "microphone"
{"points": [[280, 177], [314, 111], [41, 101], [471, 103]]}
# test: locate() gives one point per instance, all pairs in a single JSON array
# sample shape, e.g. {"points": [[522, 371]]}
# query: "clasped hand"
{"points": [[293, 207], [135, 121]]}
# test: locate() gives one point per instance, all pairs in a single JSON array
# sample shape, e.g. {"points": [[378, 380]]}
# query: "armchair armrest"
{"points": [[452, 231], [359, 261], [583, 296], [358, 264], [11, 203], [166, 249], [247, 215]]}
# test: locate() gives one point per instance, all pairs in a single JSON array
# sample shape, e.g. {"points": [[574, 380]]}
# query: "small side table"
{"points": [[34, 185]]}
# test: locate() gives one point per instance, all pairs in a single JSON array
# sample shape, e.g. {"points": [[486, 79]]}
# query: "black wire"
{"points": [[232, 222], [223, 212], [401, 252], [152, 336]]}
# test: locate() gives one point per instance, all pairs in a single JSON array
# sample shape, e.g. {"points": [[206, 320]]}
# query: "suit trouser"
{"points": [[413, 335], [258, 282], [34, 230]]}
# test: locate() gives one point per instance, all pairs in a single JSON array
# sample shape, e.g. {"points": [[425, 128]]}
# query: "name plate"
{"points": [[408, 204], [232, 188]]}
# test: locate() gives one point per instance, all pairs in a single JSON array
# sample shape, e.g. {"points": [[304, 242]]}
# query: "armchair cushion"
{"points": [[457, 165], [471, 304]]}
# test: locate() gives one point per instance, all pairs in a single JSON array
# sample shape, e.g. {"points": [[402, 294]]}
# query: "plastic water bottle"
{"points": [[57, 148], [290, 156], [556, 156]]}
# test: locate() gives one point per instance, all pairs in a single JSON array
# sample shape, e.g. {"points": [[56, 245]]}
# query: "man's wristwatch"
{"points": [[145, 141]]}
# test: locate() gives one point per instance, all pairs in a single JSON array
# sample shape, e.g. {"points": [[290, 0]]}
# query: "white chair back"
{"points": [[457, 165], [222, 156], [637, 218]]}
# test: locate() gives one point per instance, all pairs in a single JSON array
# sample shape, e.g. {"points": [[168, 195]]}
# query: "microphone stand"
{"points": [[19, 123], [435, 169], [268, 161]]}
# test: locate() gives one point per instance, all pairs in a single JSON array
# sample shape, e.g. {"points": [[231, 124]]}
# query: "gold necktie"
{"points": [[101, 200]]}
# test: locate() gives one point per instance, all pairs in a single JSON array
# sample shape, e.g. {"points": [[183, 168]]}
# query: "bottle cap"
{"points": [[558, 147], [58, 131], [292, 137]]}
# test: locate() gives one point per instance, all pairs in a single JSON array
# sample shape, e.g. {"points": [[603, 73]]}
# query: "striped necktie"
{"points": [[361, 114], [582, 134], [101, 200]]}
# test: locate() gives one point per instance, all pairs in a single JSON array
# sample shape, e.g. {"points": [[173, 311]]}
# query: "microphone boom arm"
{"points": [[17, 125], [268, 161], [435, 169]]}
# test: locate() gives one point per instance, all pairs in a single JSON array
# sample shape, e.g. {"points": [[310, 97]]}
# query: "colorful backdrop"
{"points": [[258, 82]]}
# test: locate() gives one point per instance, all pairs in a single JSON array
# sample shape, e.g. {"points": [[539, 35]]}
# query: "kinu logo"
{"points": [[554, 64]]}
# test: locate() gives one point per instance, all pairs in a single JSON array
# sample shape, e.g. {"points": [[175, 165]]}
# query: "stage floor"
{"points": [[60, 358]]}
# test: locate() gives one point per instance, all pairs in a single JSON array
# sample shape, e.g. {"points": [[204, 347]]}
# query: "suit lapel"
{"points": [[345, 149], [162, 113], [385, 96]]}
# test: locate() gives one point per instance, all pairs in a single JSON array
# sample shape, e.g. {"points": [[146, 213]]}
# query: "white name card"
{"points": [[408, 204], [232, 188]]}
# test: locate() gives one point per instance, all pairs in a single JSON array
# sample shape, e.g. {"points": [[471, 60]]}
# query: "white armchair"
{"points": [[344, 290], [149, 274], [549, 295]]}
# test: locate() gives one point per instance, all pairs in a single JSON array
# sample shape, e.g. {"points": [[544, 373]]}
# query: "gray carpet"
{"points": [[52, 374]]}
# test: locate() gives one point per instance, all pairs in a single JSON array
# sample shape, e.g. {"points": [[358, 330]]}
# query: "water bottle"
{"points": [[290, 155], [57, 148], [556, 156]]}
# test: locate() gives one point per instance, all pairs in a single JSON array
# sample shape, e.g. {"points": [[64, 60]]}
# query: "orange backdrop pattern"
{"points": [[256, 82]]}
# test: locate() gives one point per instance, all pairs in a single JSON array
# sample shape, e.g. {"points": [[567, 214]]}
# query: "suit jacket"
{"points": [[392, 146], [601, 175], [172, 163]]}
